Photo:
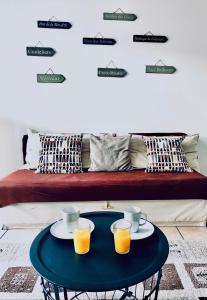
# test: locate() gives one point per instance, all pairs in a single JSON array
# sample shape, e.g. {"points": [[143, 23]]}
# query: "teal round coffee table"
{"points": [[102, 269]]}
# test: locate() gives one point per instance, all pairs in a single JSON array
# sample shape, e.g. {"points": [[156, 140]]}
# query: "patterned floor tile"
{"points": [[18, 280]]}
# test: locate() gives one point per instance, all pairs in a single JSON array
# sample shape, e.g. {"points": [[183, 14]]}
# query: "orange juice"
{"points": [[82, 240], [122, 241]]}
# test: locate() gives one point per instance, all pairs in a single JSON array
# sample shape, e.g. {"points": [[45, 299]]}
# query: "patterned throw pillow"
{"points": [[60, 154], [165, 154]]}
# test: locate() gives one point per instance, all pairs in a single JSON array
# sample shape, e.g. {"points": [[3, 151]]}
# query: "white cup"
{"points": [[70, 217], [134, 215]]}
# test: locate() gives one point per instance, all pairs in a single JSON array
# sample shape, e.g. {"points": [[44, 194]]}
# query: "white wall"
{"points": [[10, 146], [84, 102]]}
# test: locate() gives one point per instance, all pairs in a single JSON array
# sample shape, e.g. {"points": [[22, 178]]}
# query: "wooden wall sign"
{"points": [[111, 72], [150, 38], [40, 51], [50, 78], [98, 41], [160, 69], [115, 16], [54, 24]]}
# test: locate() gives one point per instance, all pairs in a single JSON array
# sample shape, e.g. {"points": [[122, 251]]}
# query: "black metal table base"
{"points": [[150, 289]]}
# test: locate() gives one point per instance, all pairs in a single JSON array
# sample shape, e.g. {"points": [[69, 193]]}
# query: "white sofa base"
{"points": [[161, 212]]}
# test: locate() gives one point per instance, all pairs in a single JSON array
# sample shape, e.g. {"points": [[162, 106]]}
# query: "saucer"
{"points": [[145, 231], [58, 230]]}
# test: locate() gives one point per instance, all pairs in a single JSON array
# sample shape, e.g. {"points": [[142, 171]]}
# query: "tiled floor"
{"points": [[185, 233], [18, 235], [172, 233]]}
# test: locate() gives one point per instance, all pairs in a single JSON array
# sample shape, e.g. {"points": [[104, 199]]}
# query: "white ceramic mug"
{"points": [[134, 215], [70, 217]]}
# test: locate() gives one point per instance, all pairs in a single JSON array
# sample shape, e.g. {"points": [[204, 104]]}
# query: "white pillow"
{"points": [[33, 148], [138, 151], [190, 146]]}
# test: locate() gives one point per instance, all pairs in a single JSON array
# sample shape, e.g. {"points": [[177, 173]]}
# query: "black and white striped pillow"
{"points": [[60, 154], [165, 154]]}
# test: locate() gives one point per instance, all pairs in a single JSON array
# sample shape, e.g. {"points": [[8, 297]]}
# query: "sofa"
{"points": [[29, 199]]}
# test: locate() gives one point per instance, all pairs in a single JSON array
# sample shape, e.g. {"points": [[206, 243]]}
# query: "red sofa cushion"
{"points": [[26, 186]]}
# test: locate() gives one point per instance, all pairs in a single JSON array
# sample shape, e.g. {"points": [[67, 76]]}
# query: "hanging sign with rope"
{"points": [[50, 77], [119, 15], [160, 68], [40, 51], [98, 40], [150, 38], [111, 72], [54, 23]]}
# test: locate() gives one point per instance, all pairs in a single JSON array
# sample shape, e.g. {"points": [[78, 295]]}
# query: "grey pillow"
{"points": [[109, 153]]}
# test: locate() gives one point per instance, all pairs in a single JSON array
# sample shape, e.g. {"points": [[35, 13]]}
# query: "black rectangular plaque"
{"points": [[40, 51], [54, 24], [50, 78], [150, 38], [160, 69], [111, 72], [119, 16], [98, 41]]}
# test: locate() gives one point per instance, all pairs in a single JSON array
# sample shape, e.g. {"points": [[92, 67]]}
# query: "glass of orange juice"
{"points": [[122, 237], [81, 238]]}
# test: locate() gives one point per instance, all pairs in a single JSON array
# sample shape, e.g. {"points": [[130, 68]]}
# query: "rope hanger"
{"points": [[111, 63], [148, 33], [99, 34], [160, 62], [39, 43], [53, 18], [119, 9], [49, 70]]}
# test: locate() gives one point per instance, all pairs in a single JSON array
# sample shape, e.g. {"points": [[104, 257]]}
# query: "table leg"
{"points": [[154, 289], [65, 294], [158, 284], [56, 290], [43, 288], [127, 293]]}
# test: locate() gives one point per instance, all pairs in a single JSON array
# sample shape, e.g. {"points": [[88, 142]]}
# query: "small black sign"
{"points": [[111, 72], [40, 51], [150, 38], [160, 69], [119, 16], [50, 78], [54, 24], [98, 41]]}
